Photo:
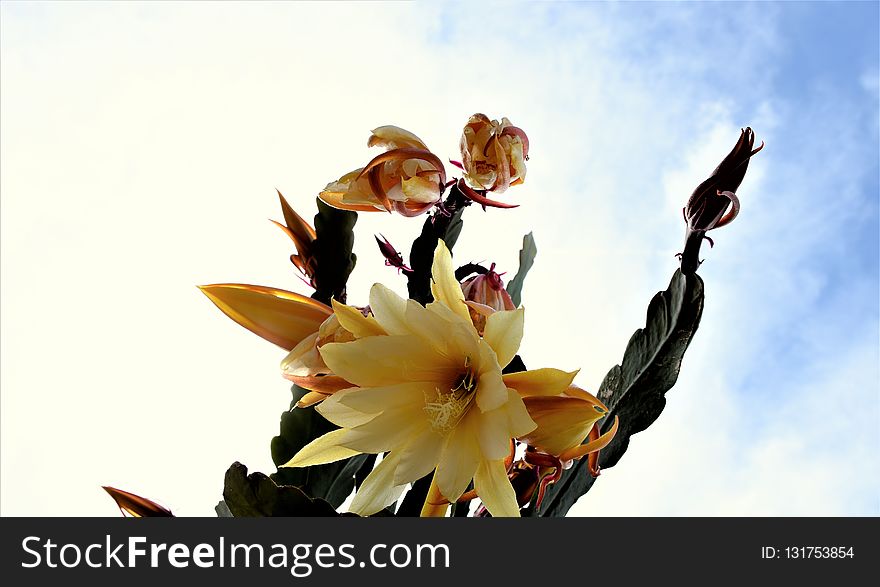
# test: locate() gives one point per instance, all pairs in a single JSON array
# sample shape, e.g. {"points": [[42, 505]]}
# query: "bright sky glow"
{"points": [[141, 145]]}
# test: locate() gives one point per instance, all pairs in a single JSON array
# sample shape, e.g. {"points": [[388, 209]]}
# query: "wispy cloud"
{"points": [[131, 174]]}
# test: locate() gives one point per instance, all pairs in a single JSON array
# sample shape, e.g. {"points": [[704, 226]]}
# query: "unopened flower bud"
{"points": [[485, 294]]}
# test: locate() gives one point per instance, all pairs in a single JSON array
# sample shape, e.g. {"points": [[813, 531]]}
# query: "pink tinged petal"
{"points": [[539, 381], [378, 490], [503, 181], [389, 310], [398, 155], [459, 460], [394, 137], [504, 332], [355, 322], [481, 309], [515, 131], [324, 449], [281, 317], [481, 199], [494, 488], [491, 390], [445, 287], [386, 360], [419, 457]]}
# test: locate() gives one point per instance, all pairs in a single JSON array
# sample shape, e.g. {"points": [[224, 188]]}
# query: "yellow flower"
{"points": [[304, 364], [564, 421], [493, 153], [407, 178], [431, 394]]}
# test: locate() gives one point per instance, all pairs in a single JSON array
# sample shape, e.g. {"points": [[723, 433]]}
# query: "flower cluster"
{"points": [[424, 385]]}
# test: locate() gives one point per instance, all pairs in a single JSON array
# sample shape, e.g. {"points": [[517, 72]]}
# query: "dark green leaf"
{"points": [[526, 260], [256, 495], [333, 252], [635, 390], [299, 426], [437, 226], [222, 510]]}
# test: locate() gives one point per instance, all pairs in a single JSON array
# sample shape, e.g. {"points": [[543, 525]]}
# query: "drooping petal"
{"points": [[352, 320], [322, 450], [378, 490], [593, 445], [459, 460], [281, 317], [504, 332], [563, 422], [445, 287], [495, 490], [346, 194], [539, 381], [386, 360]]}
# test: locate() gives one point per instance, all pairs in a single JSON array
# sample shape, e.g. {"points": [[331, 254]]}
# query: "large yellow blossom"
{"points": [[428, 390]]}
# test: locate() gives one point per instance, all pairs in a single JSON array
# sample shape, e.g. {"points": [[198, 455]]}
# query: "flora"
{"points": [[424, 406]]}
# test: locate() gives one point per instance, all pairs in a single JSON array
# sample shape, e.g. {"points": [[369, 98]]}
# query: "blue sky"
{"points": [[142, 145]]}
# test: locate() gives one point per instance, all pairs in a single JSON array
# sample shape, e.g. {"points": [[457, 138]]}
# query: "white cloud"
{"points": [[129, 175]]}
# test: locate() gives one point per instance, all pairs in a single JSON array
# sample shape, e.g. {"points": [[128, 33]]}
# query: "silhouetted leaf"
{"points": [[437, 226], [256, 495], [299, 426], [526, 260], [334, 258], [635, 390]]}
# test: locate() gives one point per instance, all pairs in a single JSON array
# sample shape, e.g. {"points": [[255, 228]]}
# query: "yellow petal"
{"points": [[394, 137], [491, 390], [418, 189], [374, 400], [459, 460], [389, 310], [391, 430], [493, 434], [386, 360], [311, 398], [592, 446], [539, 381], [304, 360], [281, 317], [419, 457], [352, 320], [504, 332], [563, 422], [336, 192], [445, 287], [324, 449], [341, 414], [378, 490], [495, 490], [519, 421]]}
